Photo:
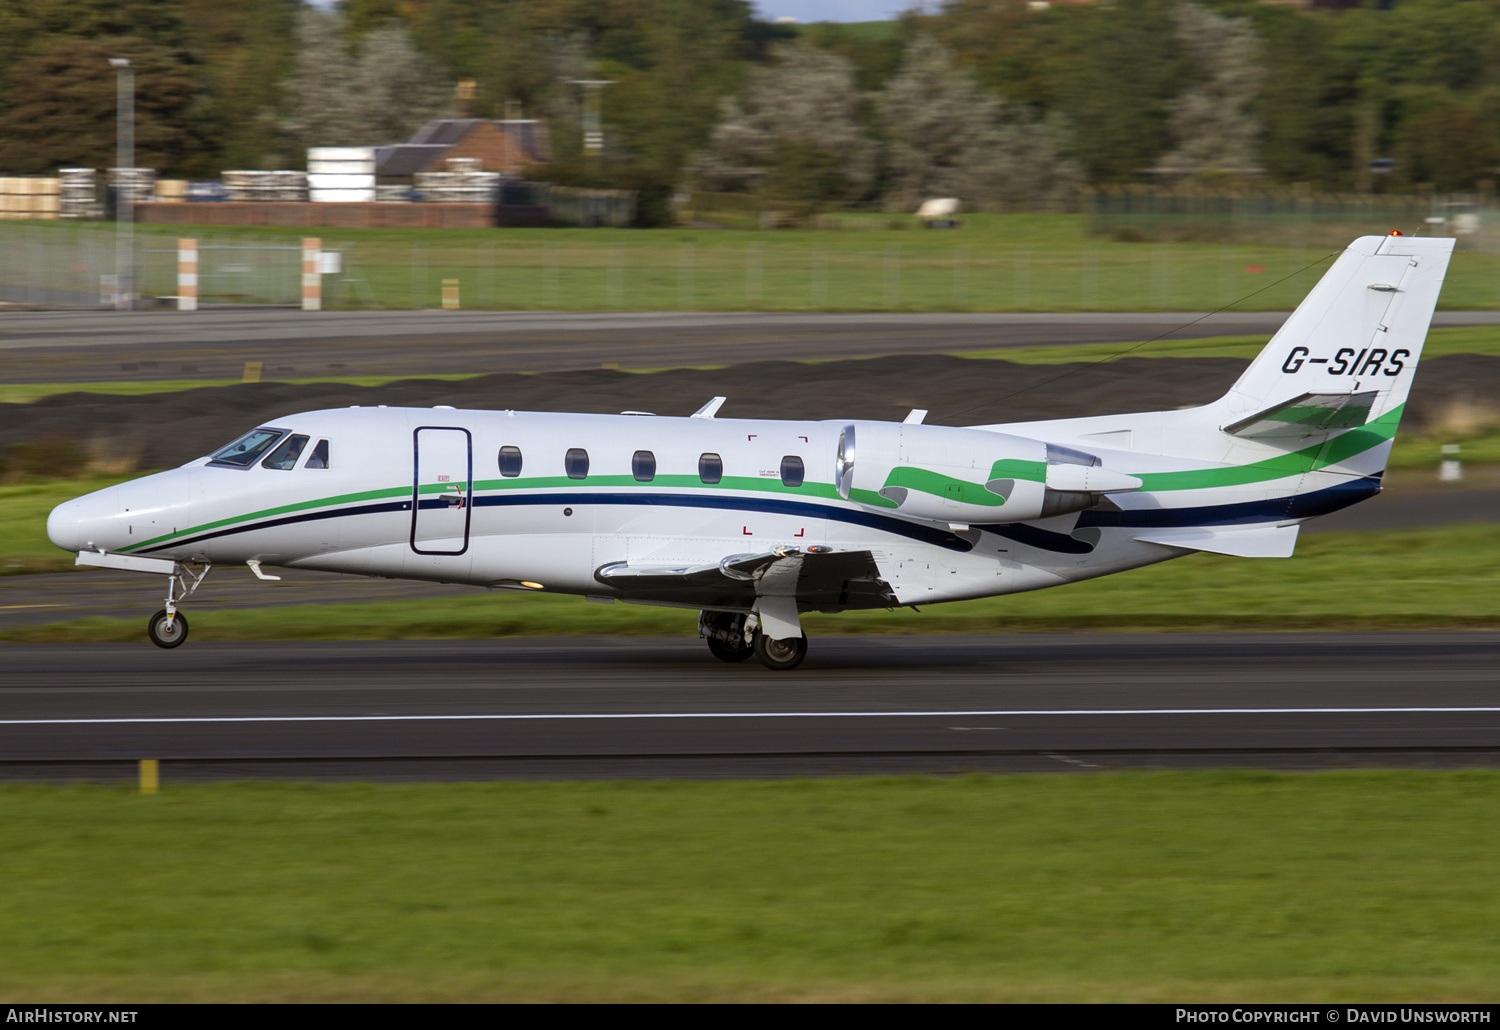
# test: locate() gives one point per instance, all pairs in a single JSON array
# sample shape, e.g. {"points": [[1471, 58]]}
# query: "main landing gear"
{"points": [[728, 641]]}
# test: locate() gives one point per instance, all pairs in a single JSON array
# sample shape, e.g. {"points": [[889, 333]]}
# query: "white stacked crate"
{"points": [[79, 195], [135, 184], [463, 183], [265, 186], [290, 186], [243, 185], [340, 175]]}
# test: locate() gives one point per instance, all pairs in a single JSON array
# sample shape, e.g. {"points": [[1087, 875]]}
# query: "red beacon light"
{"points": [[1395, 232]]}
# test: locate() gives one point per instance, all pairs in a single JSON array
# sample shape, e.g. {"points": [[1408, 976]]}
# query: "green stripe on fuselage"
{"points": [[1310, 459]]}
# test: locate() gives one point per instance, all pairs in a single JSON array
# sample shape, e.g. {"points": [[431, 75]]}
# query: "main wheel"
{"points": [[726, 651], [781, 655], [166, 632], [715, 626]]}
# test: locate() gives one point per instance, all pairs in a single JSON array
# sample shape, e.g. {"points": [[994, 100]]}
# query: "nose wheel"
{"points": [[167, 629]]}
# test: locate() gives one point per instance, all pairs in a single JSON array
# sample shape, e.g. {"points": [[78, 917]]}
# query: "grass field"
{"points": [[24, 508], [1228, 886], [1449, 579], [993, 263]]}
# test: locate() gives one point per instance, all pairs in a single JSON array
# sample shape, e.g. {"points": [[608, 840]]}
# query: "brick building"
{"points": [[507, 146]]}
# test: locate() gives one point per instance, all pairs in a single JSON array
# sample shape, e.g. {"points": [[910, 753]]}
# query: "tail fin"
{"points": [[1347, 355]]}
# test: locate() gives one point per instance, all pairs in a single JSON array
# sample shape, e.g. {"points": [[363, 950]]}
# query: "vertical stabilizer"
{"points": [[1358, 335]]}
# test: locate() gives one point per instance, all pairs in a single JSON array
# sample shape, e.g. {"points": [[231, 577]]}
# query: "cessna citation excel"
{"points": [[754, 522]]}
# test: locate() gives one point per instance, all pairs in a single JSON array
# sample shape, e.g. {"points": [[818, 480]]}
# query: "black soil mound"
{"points": [[167, 429]]}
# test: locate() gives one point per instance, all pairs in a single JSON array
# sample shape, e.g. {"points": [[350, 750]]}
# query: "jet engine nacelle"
{"points": [[967, 475]]}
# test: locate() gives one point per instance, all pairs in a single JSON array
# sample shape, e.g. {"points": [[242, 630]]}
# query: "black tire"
{"points": [[726, 651], [780, 655], [165, 634]]}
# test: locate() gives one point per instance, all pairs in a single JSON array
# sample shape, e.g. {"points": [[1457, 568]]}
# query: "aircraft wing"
{"points": [[818, 579]]}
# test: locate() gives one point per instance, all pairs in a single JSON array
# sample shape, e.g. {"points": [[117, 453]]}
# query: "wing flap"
{"points": [[814, 578]]}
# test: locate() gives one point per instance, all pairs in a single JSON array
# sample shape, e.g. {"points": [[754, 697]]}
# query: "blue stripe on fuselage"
{"points": [[1309, 505]]}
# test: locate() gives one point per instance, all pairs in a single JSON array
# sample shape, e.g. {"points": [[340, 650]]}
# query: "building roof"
{"points": [[445, 130], [531, 134], [409, 158]]}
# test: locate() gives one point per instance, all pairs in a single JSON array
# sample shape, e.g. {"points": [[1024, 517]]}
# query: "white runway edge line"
{"points": [[608, 716]]}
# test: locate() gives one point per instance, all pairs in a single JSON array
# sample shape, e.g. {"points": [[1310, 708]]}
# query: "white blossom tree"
{"points": [[1211, 124], [378, 93], [950, 137], [798, 125]]}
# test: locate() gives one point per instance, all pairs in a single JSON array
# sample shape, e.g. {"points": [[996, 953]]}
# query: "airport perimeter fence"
{"points": [[1289, 217], [984, 266], [79, 266]]}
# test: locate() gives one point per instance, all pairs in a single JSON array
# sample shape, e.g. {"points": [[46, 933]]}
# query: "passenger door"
{"points": [[441, 490]]}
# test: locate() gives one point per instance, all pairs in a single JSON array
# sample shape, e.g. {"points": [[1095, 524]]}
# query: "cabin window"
{"points": [[643, 466], [710, 467], [243, 452], [791, 470], [319, 458], [510, 461], [285, 456], [577, 463]]}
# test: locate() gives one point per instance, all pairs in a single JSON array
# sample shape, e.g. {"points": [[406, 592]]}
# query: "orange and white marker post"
{"points": [[312, 278], [187, 275]]}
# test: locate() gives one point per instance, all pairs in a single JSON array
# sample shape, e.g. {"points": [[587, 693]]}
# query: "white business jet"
{"points": [[754, 522]]}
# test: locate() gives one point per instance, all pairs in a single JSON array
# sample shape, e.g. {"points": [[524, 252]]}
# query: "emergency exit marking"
{"points": [[443, 479]]}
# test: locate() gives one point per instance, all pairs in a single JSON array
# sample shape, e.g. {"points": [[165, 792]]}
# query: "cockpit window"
{"points": [[285, 456], [243, 452], [319, 459]]}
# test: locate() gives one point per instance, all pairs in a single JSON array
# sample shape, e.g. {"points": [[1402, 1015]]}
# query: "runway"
{"points": [[92, 346], [652, 708]]}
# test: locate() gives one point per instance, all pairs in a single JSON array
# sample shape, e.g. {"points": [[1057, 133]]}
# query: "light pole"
{"points": [[593, 133], [124, 160]]}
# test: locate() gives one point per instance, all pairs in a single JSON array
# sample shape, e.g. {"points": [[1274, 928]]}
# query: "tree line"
{"points": [[1003, 103]]}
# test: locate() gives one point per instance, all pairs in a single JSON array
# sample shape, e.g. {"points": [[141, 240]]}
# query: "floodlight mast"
{"points": [[593, 132], [124, 161]]}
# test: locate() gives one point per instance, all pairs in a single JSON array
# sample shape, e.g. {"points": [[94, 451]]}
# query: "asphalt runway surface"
{"points": [[94, 346], [651, 708]]}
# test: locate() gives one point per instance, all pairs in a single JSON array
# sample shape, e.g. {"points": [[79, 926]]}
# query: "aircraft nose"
{"points": [[65, 525], [123, 515]]}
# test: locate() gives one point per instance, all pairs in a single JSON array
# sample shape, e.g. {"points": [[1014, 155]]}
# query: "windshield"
{"points": [[285, 456], [243, 452]]}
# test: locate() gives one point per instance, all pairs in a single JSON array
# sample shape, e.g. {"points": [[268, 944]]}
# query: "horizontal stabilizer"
{"points": [[1311, 414], [1263, 541]]}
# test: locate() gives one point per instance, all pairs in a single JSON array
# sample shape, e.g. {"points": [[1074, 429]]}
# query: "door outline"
{"points": [[416, 497]]}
